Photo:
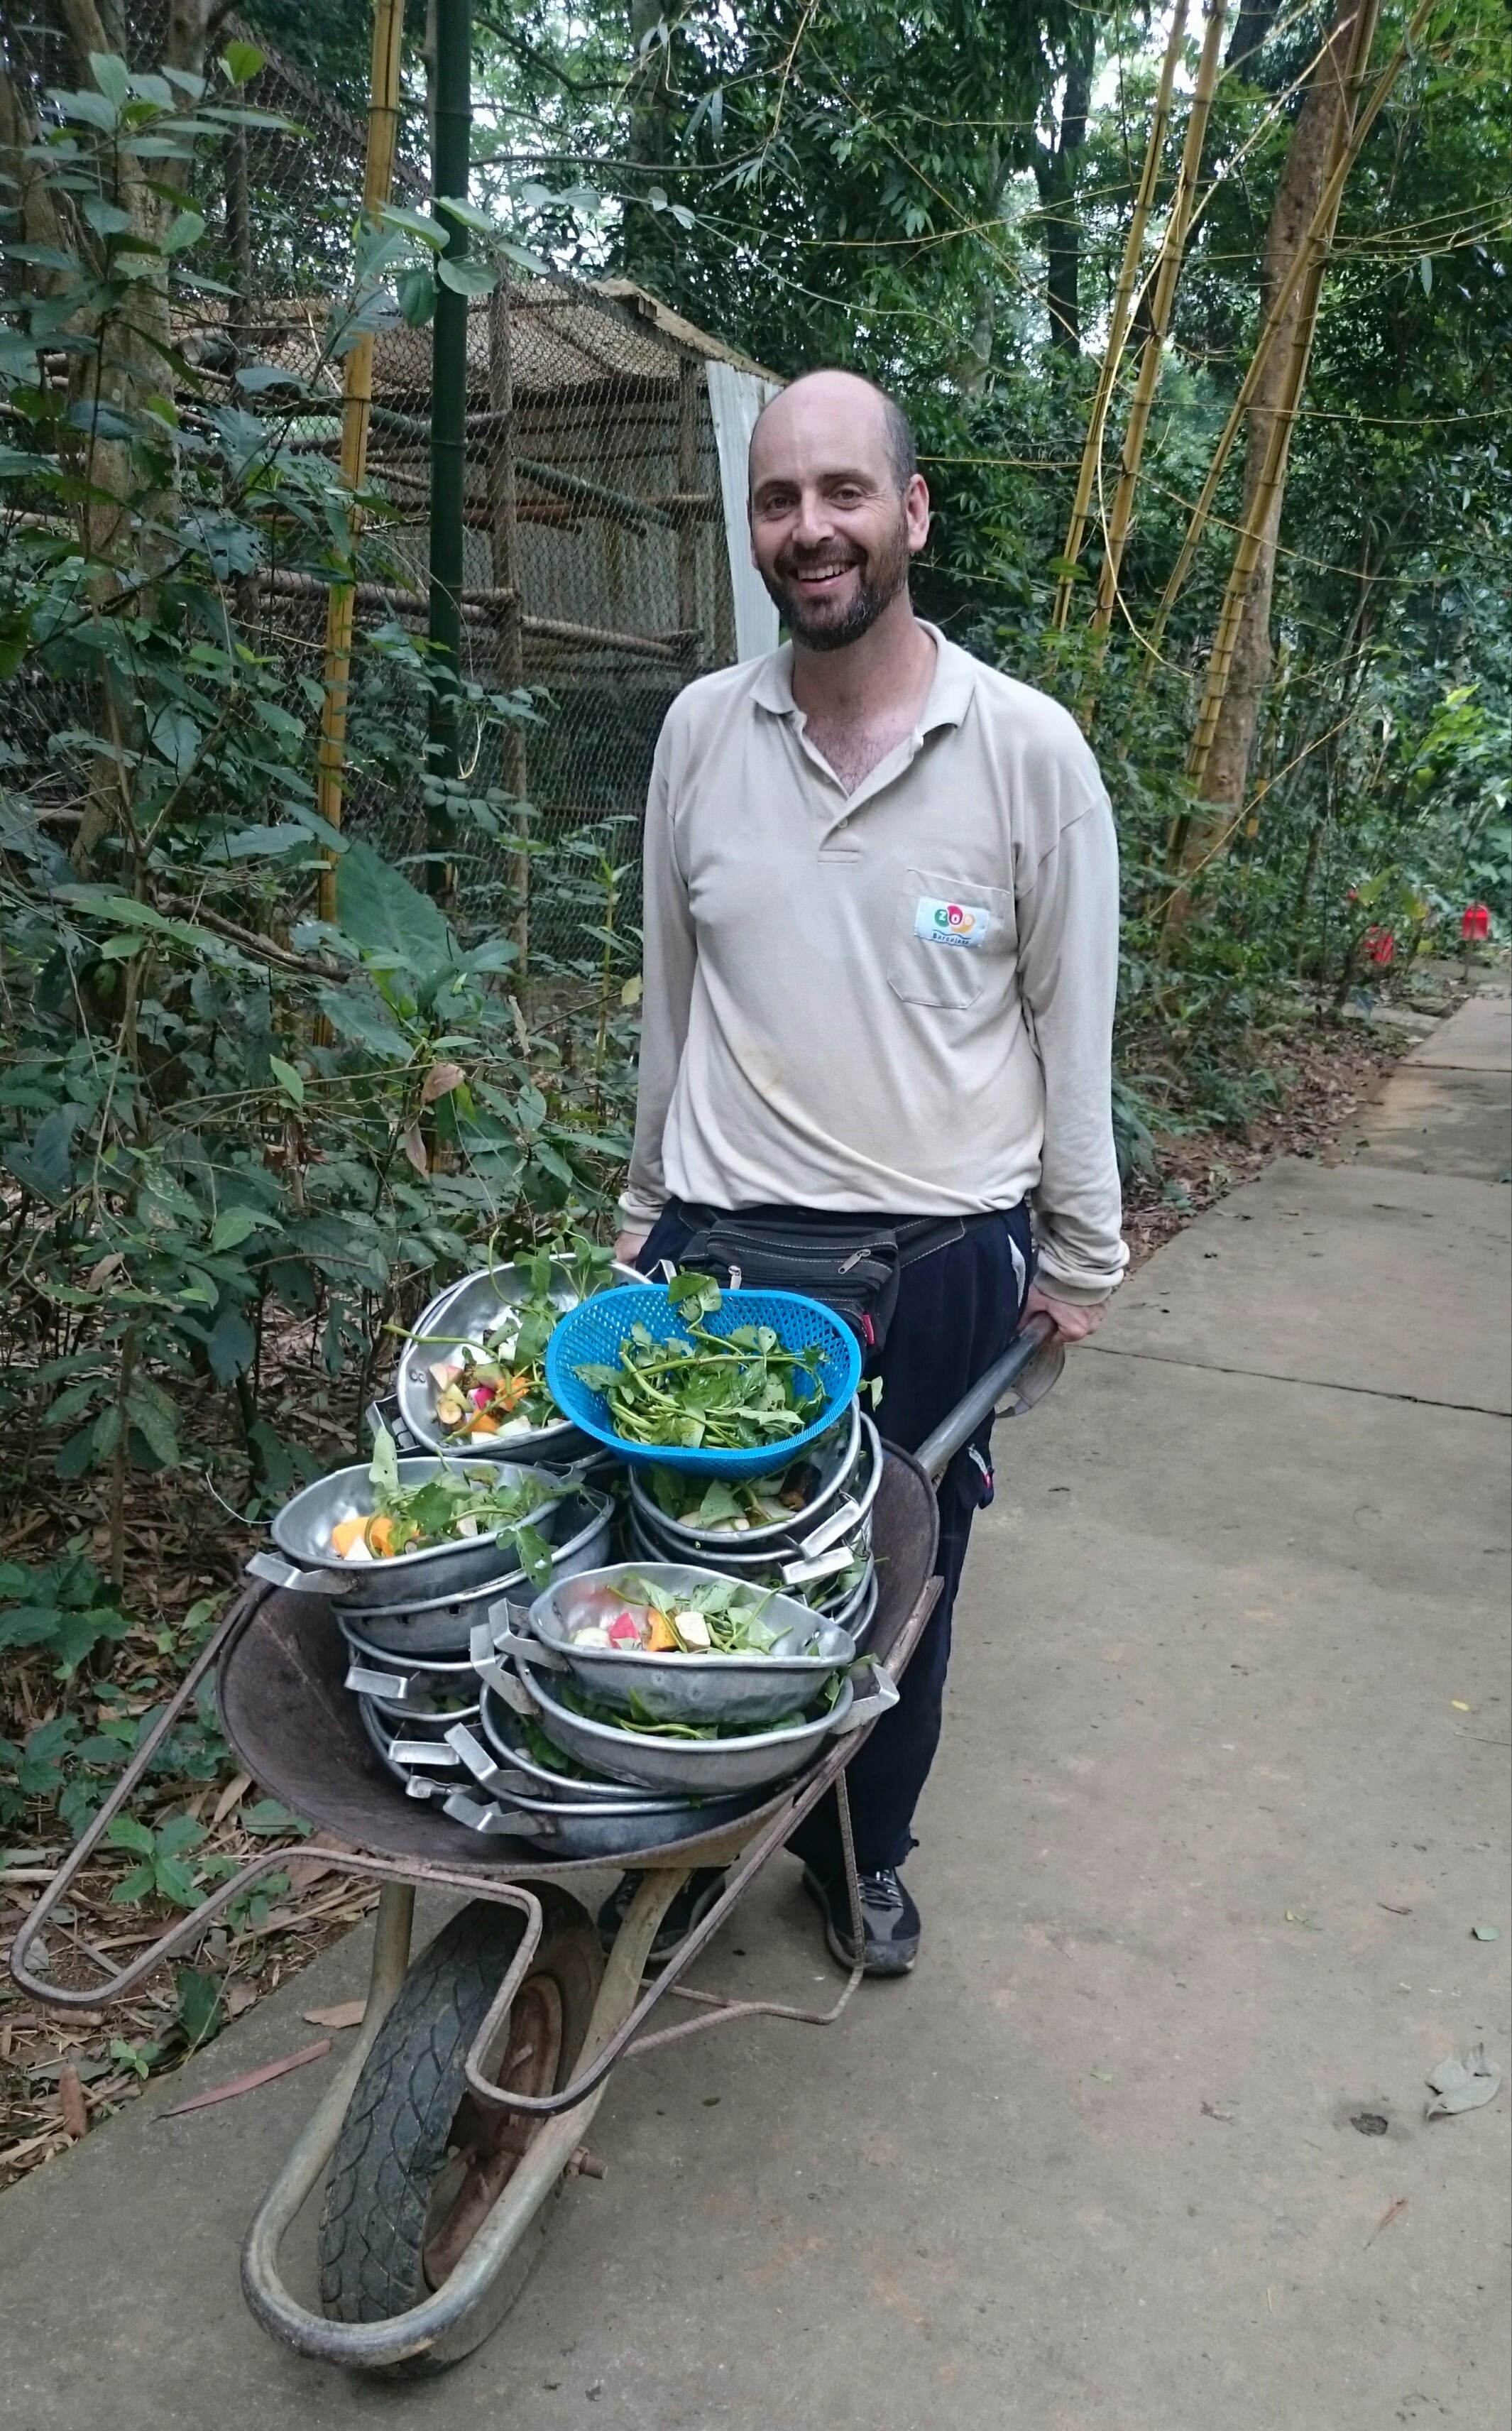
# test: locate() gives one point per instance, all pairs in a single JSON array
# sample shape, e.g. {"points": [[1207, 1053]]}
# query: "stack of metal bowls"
{"points": [[822, 1551], [468, 1312], [408, 1620], [548, 1759]]}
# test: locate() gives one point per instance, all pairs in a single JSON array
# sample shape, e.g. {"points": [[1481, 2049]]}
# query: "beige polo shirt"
{"points": [[894, 1002]]}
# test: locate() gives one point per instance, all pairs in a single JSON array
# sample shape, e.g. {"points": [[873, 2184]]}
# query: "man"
{"points": [[881, 928]]}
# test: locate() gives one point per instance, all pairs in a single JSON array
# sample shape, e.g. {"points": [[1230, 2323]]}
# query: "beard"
{"points": [[882, 574]]}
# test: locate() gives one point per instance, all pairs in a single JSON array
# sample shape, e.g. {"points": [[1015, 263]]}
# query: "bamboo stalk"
{"points": [[1172, 252], [357, 399], [1325, 216], [1265, 506], [504, 530], [451, 114], [1122, 309]]}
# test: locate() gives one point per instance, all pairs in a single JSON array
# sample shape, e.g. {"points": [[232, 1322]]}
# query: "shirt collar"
{"points": [[949, 698]]}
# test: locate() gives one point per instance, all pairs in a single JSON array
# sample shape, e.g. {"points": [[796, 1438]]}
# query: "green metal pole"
{"points": [[451, 140]]}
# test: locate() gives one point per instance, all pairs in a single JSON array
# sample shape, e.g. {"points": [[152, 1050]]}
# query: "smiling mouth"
{"points": [[821, 577]]}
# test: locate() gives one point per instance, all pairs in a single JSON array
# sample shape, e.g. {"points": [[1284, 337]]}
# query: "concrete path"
{"points": [[1224, 1792]]}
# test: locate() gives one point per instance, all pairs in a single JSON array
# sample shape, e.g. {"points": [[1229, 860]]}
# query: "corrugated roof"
{"points": [[566, 340]]}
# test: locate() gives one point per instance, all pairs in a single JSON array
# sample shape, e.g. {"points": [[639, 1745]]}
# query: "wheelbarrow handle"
{"points": [[1033, 1342]]}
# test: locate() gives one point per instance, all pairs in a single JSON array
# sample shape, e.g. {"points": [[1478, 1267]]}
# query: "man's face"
{"points": [[830, 533]]}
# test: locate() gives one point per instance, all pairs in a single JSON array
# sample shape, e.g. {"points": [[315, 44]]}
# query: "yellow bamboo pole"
{"points": [[1162, 305], [1324, 217], [1122, 308], [1315, 249], [356, 401]]}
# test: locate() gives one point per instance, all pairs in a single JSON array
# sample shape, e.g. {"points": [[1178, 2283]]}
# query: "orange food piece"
{"points": [[510, 1392], [484, 1425], [380, 1533], [347, 1533], [662, 1639]]}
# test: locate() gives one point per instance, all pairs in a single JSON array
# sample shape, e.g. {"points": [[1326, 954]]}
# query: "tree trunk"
{"points": [[1241, 662], [1253, 24], [130, 366], [1055, 175], [649, 134], [1118, 329]]}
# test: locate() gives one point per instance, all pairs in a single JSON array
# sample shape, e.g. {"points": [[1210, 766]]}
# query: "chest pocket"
{"points": [[948, 935]]}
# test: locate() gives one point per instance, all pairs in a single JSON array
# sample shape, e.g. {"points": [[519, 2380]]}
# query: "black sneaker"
{"points": [[890, 1922], [689, 1908]]}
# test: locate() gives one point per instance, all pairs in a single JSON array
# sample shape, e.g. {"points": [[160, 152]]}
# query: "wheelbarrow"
{"points": [[463, 2105]]}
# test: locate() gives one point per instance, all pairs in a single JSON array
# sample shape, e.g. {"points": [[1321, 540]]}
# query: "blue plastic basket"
{"points": [[592, 1333]]}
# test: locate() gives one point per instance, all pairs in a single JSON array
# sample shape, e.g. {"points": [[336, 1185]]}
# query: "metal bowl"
{"points": [[591, 1834], [850, 1465], [406, 1691], [445, 1625], [837, 1515], [463, 1312], [750, 1689], [409, 1751], [695, 1767], [504, 1729], [302, 1533], [816, 1582]]}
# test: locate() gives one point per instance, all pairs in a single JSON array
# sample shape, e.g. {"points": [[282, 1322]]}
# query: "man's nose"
{"points": [[814, 522]]}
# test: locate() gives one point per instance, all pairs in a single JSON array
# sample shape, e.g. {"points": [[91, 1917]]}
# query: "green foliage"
{"points": [[222, 1114], [63, 1607]]}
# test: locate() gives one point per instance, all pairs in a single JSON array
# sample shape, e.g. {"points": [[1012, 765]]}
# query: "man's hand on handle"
{"points": [[1072, 1319]]}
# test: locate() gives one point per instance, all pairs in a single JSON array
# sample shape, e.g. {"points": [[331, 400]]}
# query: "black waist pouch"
{"points": [[849, 1263]]}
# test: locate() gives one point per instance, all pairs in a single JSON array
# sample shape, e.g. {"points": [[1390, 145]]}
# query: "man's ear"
{"points": [[916, 509]]}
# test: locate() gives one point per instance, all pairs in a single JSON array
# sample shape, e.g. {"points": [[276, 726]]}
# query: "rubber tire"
{"points": [[392, 2145]]}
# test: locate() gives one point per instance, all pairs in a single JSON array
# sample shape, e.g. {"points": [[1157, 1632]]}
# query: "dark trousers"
{"points": [[958, 1309]]}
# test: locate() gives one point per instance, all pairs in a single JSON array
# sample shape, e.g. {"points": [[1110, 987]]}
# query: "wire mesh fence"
{"points": [[595, 565]]}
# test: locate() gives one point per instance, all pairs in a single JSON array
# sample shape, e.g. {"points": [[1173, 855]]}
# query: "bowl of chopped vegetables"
{"points": [[729, 1521], [670, 1643], [472, 1376], [684, 1375], [701, 1759], [403, 1532]]}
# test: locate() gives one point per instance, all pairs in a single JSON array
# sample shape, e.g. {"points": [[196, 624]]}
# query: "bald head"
{"points": [[847, 403]]}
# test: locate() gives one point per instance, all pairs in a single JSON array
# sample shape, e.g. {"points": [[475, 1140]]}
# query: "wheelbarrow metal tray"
{"points": [[294, 1727]]}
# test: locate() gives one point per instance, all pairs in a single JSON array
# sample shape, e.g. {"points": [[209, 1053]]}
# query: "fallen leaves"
{"points": [[1393, 2211], [73, 2108], [231, 1796], [234, 2087], [1465, 2084], [341, 2015]]}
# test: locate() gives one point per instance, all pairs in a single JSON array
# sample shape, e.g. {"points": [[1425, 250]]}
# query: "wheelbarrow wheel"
{"points": [[420, 2163]]}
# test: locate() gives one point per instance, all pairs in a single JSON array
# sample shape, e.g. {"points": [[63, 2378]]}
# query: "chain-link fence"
{"points": [[595, 563]]}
